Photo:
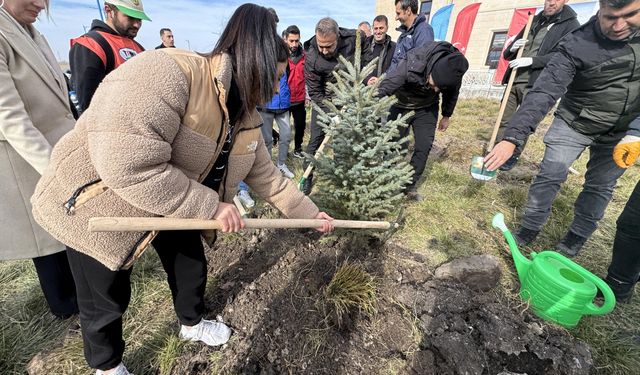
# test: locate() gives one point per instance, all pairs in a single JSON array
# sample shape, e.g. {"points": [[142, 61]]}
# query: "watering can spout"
{"points": [[522, 263]]}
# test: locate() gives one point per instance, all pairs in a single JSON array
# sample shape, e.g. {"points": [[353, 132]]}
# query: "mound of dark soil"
{"points": [[269, 287]]}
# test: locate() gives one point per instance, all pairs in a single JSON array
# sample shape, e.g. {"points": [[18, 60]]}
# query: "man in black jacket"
{"points": [[426, 72], [596, 71], [550, 25], [379, 45], [329, 42]]}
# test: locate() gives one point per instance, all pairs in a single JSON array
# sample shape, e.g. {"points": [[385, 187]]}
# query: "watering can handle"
{"points": [[609, 298], [591, 308]]}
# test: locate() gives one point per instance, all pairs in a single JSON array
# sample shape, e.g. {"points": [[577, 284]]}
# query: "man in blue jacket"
{"points": [[278, 110], [414, 29]]}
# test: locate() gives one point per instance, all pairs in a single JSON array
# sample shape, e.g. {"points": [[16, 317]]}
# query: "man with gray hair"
{"points": [[329, 42], [596, 72]]}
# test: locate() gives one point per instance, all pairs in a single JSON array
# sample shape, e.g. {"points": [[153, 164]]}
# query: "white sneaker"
{"points": [[210, 332], [285, 171], [246, 199], [118, 370]]}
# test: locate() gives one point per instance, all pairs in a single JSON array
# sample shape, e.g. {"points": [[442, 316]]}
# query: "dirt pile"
{"points": [[269, 287]]}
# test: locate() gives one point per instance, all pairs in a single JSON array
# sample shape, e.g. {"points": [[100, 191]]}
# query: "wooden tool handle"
{"points": [[505, 98], [319, 152], [143, 224]]}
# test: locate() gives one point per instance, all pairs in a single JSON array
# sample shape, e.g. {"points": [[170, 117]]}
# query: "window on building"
{"points": [[425, 7], [495, 48]]}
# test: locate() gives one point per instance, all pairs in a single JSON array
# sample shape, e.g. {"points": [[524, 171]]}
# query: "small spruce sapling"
{"points": [[363, 171]]}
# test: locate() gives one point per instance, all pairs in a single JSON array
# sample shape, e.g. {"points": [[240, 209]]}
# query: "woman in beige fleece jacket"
{"points": [[170, 133], [34, 114]]}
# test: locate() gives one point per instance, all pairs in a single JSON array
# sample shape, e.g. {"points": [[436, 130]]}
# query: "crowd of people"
{"points": [[175, 133]]}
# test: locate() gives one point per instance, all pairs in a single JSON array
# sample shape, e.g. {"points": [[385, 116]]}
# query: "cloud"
{"points": [[196, 24]]}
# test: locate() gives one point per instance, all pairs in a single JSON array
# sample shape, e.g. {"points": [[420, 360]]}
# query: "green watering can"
{"points": [[557, 288]]}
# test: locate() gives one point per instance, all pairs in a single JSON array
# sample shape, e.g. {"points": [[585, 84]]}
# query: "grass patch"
{"points": [[350, 290]]}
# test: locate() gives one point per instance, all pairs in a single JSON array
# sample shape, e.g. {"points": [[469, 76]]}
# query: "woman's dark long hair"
{"points": [[255, 46]]}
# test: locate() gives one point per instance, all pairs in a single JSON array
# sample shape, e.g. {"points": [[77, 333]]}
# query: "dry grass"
{"points": [[350, 290]]}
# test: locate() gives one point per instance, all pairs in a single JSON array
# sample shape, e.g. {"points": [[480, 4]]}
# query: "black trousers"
{"points": [[317, 135], [104, 295], [299, 113], [625, 263], [57, 284], [423, 123]]}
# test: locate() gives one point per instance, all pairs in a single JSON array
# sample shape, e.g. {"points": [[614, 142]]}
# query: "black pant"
{"points": [[103, 295], [625, 263], [317, 135], [57, 284], [423, 123], [299, 113]]}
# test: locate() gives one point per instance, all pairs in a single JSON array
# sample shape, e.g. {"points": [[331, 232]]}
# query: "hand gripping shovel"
{"points": [[155, 224], [478, 169]]}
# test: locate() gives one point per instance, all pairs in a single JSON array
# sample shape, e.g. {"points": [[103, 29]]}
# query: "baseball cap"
{"points": [[132, 8]]}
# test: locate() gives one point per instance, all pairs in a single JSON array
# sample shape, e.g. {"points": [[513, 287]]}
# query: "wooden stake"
{"points": [[505, 98]]}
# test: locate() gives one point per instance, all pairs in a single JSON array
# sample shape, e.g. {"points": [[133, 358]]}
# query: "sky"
{"points": [[196, 24]]}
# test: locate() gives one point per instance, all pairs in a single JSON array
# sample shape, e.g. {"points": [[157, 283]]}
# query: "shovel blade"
{"points": [[478, 170]]}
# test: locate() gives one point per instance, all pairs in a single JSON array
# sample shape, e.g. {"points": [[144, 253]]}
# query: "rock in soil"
{"points": [[479, 272]]}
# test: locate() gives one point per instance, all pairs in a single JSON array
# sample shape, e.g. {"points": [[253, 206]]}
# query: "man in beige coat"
{"points": [[34, 114]]}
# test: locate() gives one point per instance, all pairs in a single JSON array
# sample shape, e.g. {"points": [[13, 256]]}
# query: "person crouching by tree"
{"points": [[171, 133], [426, 73]]}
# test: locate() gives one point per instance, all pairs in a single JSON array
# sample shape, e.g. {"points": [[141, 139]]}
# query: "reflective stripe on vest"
{"points": [[122, 48]]}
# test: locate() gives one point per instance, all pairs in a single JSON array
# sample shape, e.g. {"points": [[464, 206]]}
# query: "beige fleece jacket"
{"points": [[152, 132]]}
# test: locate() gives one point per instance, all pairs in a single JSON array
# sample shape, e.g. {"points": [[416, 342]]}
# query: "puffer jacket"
{"points": [[408, 80], [153, 131], [281, 101], [598, 80], [419, 34]]}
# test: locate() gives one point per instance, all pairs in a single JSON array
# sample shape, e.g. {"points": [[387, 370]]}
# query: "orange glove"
{"points": [[627, 151]]}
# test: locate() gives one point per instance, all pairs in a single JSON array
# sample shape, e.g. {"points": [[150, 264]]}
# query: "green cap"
{"points": [[132, 8]]}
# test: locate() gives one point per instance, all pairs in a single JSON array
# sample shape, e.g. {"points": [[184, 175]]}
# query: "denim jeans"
{"points": [[563, 146], [284, 128]]}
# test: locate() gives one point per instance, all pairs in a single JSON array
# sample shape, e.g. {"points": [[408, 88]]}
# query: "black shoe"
{"points": [[509, 164], [413, 195], [623, 291], [298, 154], [308, 185], [571, 244], [525, 236]]}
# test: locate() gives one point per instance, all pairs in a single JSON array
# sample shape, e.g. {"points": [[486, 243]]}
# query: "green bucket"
{"points": [[557, 288]]}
